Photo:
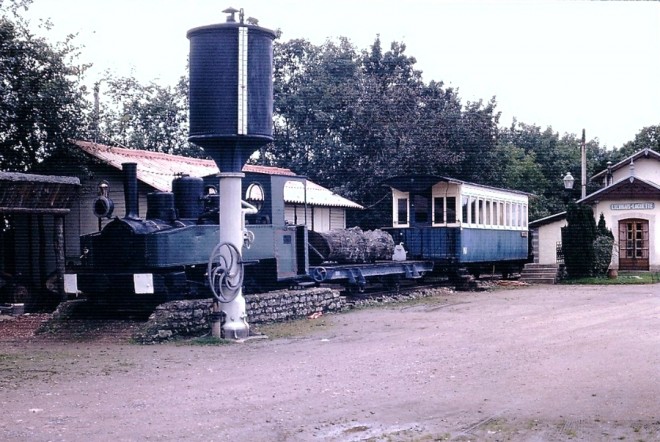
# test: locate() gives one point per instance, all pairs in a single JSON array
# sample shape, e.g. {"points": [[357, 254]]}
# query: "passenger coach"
{"points": [[459, 224]]}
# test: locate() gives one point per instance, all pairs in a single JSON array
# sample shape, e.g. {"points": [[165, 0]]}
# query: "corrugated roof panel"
{"points": [[294, 192]]}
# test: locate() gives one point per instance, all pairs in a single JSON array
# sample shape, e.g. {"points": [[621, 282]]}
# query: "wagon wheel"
{"points": [[319, 274]]}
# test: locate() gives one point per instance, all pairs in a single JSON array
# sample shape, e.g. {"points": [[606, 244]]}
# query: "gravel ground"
{"points": [[538, 363]]}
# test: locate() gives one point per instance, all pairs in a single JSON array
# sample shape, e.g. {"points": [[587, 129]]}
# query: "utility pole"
{"points": [[583, 162]]}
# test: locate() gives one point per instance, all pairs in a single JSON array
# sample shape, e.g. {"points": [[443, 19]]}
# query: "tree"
{"points": [[42, 102], [553, 156], [148, 117], [578, 240], [349, 120], [647, 138]]}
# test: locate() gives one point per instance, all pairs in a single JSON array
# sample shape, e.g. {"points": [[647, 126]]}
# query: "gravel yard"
{"points": [[545, 363]]}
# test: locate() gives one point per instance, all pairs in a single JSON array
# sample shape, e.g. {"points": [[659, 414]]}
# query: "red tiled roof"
{"points": [[159, 169]]}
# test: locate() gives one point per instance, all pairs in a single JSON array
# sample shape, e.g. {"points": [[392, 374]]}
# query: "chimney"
{"points": [[131, 190]]}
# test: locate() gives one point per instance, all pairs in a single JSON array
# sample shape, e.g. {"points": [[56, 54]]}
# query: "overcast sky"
{"points": [[565, 64]]}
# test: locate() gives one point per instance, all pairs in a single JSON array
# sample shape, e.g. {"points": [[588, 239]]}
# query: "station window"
{"points": [[402, 211]]}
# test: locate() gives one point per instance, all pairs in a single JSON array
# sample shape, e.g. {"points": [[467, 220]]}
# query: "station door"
{"points": [[633, 244]]}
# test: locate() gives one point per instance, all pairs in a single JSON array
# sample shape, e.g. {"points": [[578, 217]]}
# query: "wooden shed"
{"points": [[32, 252]]}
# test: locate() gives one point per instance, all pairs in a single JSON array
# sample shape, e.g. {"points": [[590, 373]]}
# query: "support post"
{"points": [[58, 245]]}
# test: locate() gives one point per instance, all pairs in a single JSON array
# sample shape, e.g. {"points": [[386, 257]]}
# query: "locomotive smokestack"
{"points": [[131, 190]]}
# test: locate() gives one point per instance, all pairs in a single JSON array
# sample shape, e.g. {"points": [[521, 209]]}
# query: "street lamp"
{"points": [[569, 181]]}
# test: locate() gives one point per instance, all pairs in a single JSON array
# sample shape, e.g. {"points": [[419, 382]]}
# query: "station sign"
{"points": [[632, 206]]}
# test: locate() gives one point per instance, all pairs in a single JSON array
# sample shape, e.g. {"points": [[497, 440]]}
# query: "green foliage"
{"points": [[147, 117], [602, 254], [578, 240], [601, 229], [647, 138], [603, 246], [349, 120], [41, 100]]}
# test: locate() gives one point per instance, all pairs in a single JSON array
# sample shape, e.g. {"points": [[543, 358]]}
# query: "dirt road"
{"points": [[540, 363]]}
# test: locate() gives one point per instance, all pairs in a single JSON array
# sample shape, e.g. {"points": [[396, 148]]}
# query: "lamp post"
{"points": [[569, 181]]}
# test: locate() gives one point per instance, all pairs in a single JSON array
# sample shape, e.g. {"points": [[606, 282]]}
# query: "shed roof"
{"points": [[296, 193], [159, 169], [29, 193], [548, 219]]}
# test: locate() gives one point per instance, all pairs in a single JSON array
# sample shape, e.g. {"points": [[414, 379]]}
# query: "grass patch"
{"points": [[622, 279], [204, 340], [296, 328]]}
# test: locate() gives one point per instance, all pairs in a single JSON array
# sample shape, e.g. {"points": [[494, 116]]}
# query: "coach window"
{"points": [[473, 210], [464, 209], [487, 212], [507, 214], [402, 211], [438, 210], [516, 214], [481, 212], [501, 213], [421, 209], [451, 210]]}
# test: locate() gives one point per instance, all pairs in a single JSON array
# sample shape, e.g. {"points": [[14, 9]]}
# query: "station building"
{"points": [[629, 200]]}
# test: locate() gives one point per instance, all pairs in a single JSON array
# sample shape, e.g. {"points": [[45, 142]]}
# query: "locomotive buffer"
{"points": [[231, 113]]}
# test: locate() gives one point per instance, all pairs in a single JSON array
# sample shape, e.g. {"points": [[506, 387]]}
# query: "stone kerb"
{"points": [[190, 318]]}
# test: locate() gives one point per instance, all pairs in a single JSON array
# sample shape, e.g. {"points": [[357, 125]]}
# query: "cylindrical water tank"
{"points": [[231, 90], [188, 196]]}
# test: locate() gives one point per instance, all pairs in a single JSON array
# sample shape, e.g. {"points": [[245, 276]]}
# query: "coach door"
{"points": [[633, 244]]}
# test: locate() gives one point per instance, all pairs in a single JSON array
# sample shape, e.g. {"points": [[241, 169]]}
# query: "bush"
{"points": [[602, 254], [578, 240]]}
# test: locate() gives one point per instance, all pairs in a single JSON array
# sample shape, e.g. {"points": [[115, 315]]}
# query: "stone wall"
{"points": [[182, 319]]}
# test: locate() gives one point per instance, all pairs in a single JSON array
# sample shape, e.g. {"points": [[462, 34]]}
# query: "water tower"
{"points": [[231, 116]]}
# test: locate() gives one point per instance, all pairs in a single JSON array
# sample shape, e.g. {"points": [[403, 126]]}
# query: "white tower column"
{"points": [[231, 232]]}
